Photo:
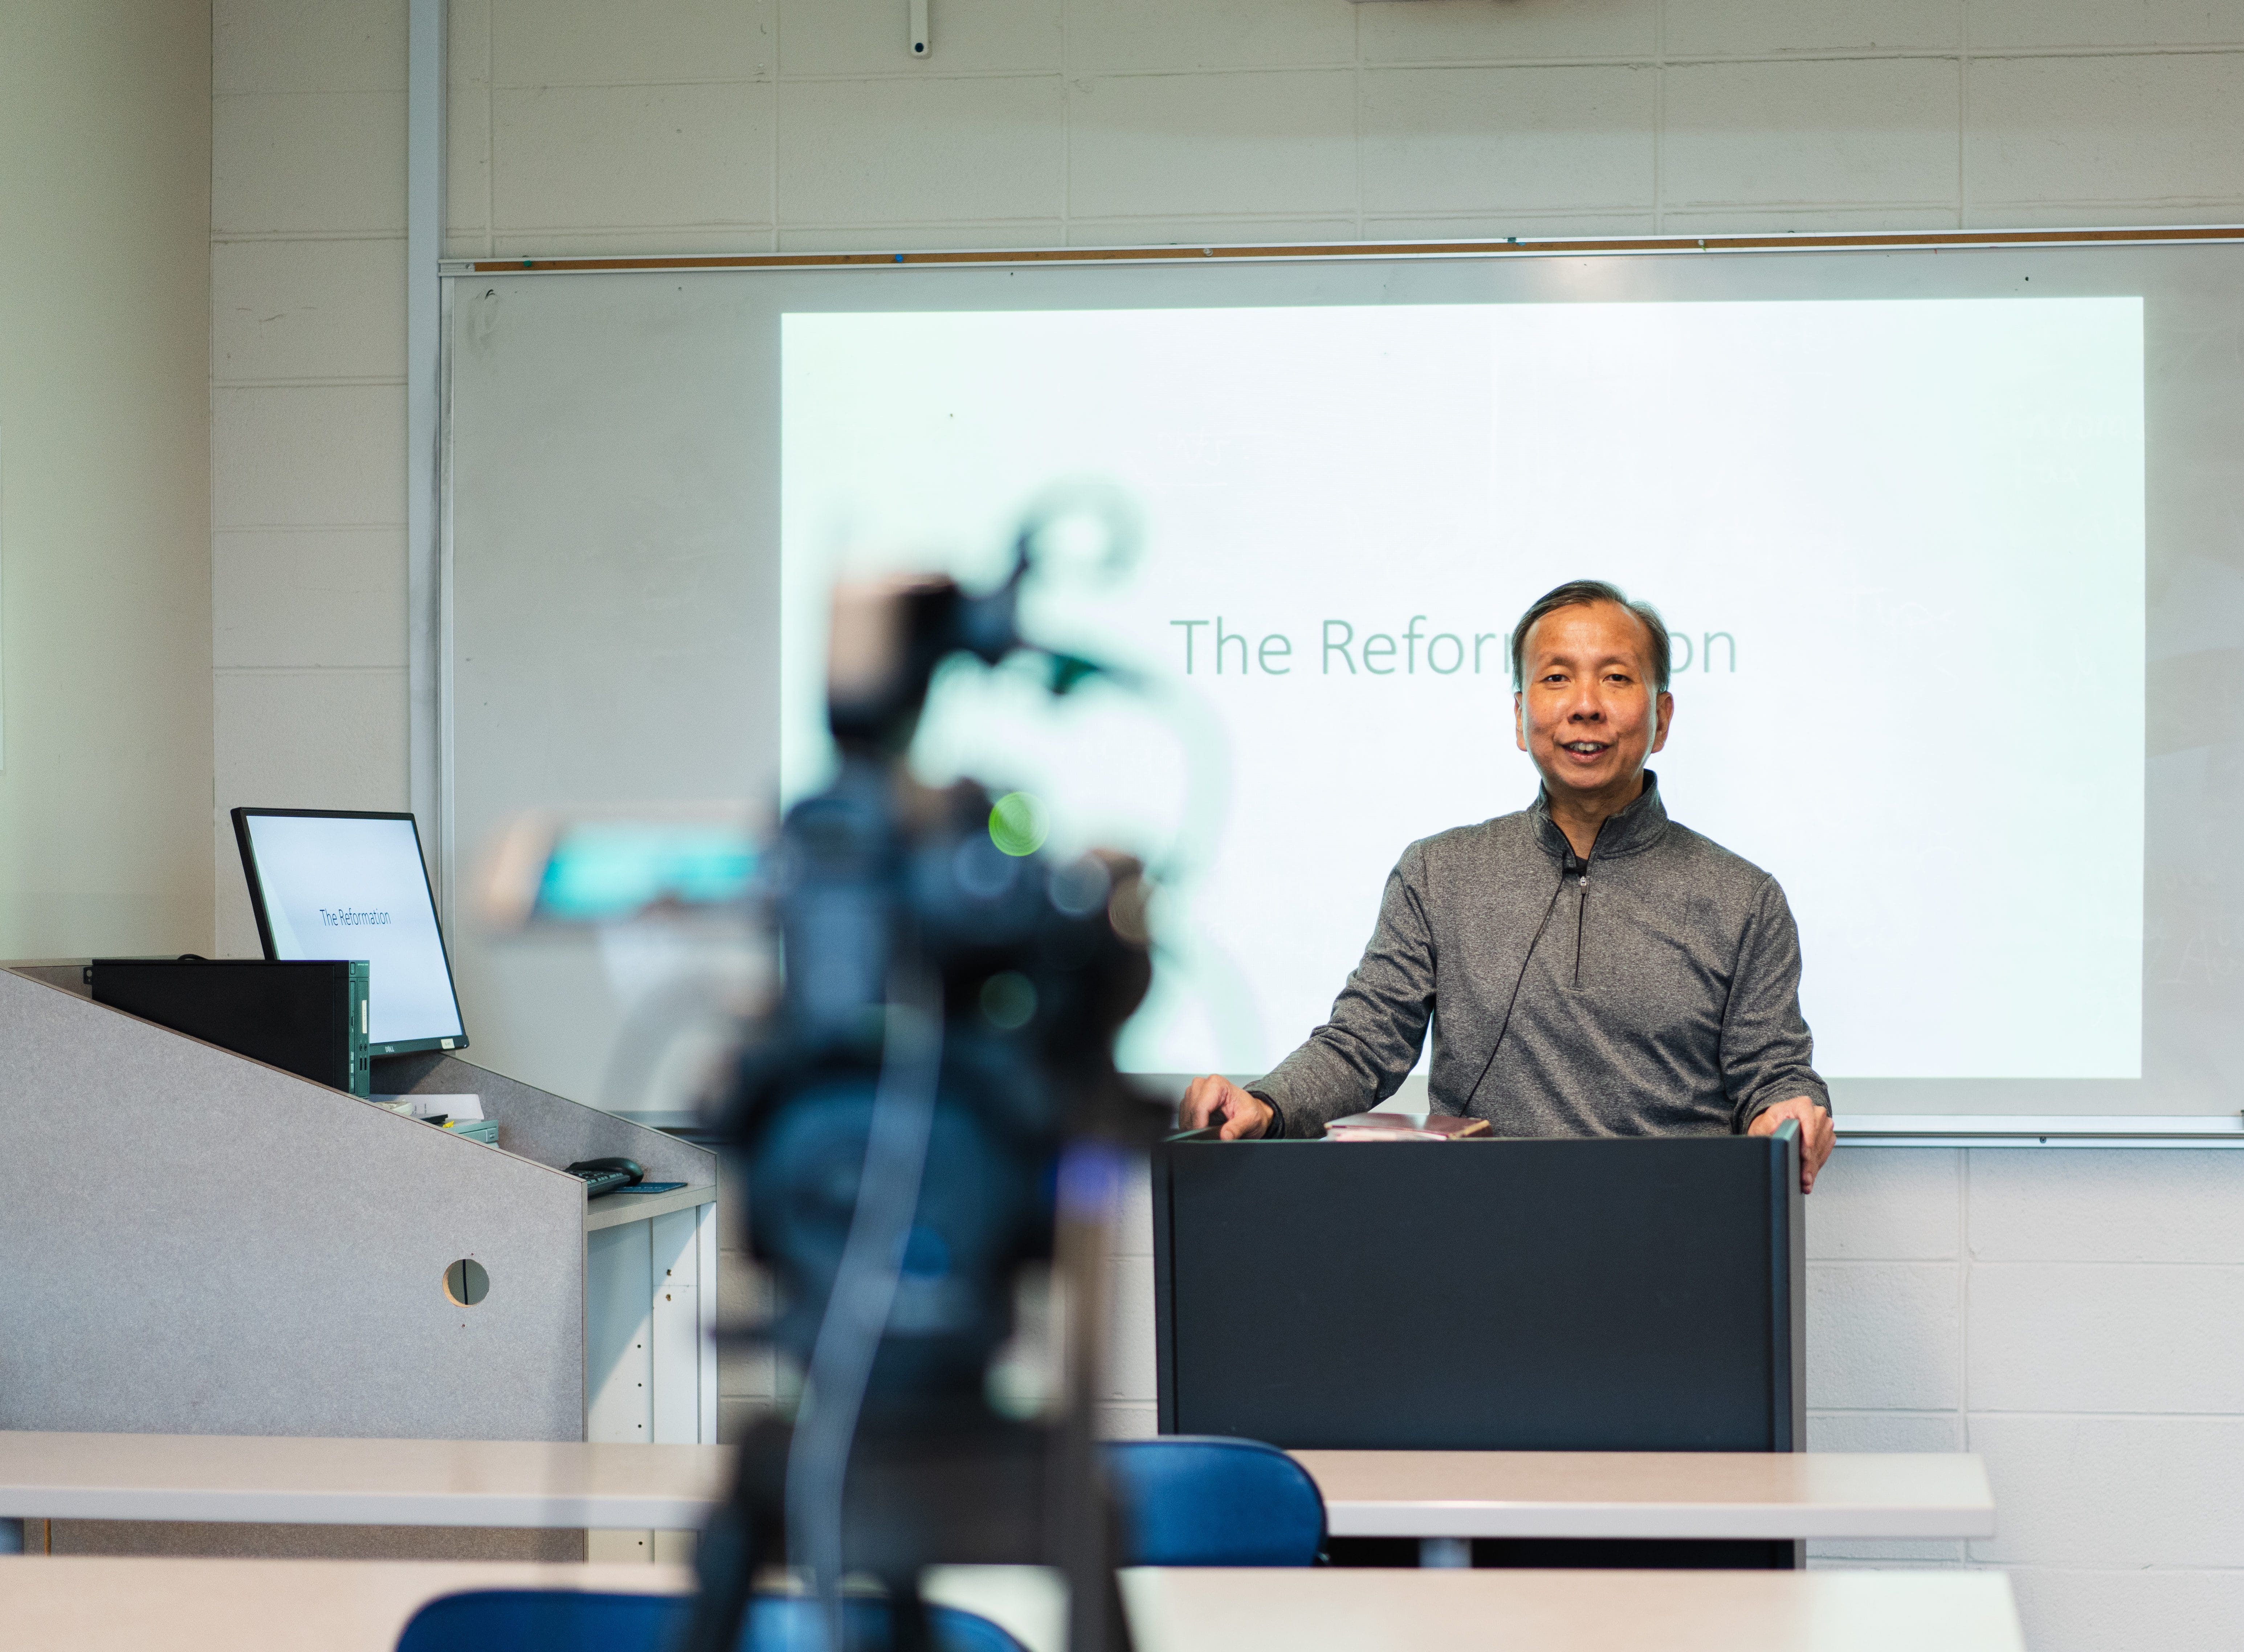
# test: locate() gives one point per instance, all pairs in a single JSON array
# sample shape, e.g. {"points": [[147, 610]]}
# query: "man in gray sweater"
{"points": [[1587, 965]]}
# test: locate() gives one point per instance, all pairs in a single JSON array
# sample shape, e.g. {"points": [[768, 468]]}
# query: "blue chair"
{"points": [[577, 1621], [1201, 1500]]}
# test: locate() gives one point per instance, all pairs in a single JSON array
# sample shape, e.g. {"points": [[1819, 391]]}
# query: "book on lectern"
{"points": [[1404, 1127]]}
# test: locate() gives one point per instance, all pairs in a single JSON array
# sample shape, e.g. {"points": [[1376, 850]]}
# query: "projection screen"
{"points": [[1946, 540]]}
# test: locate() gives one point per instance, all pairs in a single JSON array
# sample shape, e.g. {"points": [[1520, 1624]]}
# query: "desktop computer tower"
{"points": [[308, 1018]]}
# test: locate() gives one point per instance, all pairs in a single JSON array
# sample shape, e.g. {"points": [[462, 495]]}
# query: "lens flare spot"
{"points": [[1018, 823], [1008, 1000]]}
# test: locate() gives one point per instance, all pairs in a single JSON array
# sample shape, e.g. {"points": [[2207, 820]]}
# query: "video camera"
{"points": [[929, 1106]]}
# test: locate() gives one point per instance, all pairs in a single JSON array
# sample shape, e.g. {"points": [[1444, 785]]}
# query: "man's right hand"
{"points": [[1215, 1100]]}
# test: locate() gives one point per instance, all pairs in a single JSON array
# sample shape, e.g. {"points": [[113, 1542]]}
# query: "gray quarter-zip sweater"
{"points": [[1652, 990]]}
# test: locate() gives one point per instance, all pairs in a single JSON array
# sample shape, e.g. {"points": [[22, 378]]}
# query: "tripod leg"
{"points": [[1088, 1535], [909, 1629], [726, 1563], [1114, 1629]]}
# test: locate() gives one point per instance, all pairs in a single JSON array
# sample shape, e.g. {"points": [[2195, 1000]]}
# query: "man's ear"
{"points": [[1520, 722], [1666, 707]]}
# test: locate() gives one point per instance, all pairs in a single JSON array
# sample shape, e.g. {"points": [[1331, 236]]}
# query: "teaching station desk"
{"points": [[88, 1605], [199, 1243], [1368, 1493]]}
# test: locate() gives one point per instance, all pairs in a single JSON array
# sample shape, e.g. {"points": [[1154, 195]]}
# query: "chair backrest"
{"points": [[1201, 1500], [580, 1620]]}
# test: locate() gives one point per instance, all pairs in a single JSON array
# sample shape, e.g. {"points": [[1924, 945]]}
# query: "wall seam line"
{"points": [[332, 382], [210, 464], [1355, 54], [1570, 60], [1066, 127], [308, 671], [1963, 1302], [1963, 114], [490, 132], [771, 147], [1659, 120]]}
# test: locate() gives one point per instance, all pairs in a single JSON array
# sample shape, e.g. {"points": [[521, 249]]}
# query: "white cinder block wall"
{"points": [[2076, 1316], [308, 415]]}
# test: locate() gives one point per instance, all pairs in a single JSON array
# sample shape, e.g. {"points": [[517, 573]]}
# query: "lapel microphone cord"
{"points": [[1474, 1094]]}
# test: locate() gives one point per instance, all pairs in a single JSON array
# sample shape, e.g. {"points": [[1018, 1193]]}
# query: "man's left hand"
{"points": [[1815, 1134]]}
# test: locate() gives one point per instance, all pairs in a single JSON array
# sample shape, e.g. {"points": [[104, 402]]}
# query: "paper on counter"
{"points": [[429, 1106]]}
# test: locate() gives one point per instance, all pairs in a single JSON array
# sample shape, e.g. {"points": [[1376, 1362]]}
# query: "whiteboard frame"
{"points": [[1510, 247], [2025, 1130], [427, 434], [431, 702]]}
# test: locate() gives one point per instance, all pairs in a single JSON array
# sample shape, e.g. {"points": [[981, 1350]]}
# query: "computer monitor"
{"points": [[333, 883]]}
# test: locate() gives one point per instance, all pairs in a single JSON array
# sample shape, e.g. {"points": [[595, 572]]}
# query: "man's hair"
{"points": [[1579, 593]]}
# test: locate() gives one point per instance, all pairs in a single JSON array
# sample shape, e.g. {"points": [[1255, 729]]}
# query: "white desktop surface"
{"points": [[58, 1603], [1348, 1609], [359, 1482], [111, 1605], [614, 1210], [1660, 1494], [516, 1483]]}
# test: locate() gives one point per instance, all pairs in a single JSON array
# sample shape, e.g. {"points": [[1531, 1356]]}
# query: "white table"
{"points": [[1651, 1494], [359, 1482], [72, 1604], [1343, 1609], [1424, 1494], [104, 1605]]}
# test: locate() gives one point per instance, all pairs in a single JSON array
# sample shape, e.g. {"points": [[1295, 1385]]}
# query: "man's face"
{"points": [[1587, 715]]}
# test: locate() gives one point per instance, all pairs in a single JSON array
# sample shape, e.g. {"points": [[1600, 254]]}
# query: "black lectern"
{"points": [[1487, 1295], [1490, 1295]]}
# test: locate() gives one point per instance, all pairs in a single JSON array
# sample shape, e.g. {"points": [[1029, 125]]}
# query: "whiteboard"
{"points": [[613, 514]]}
